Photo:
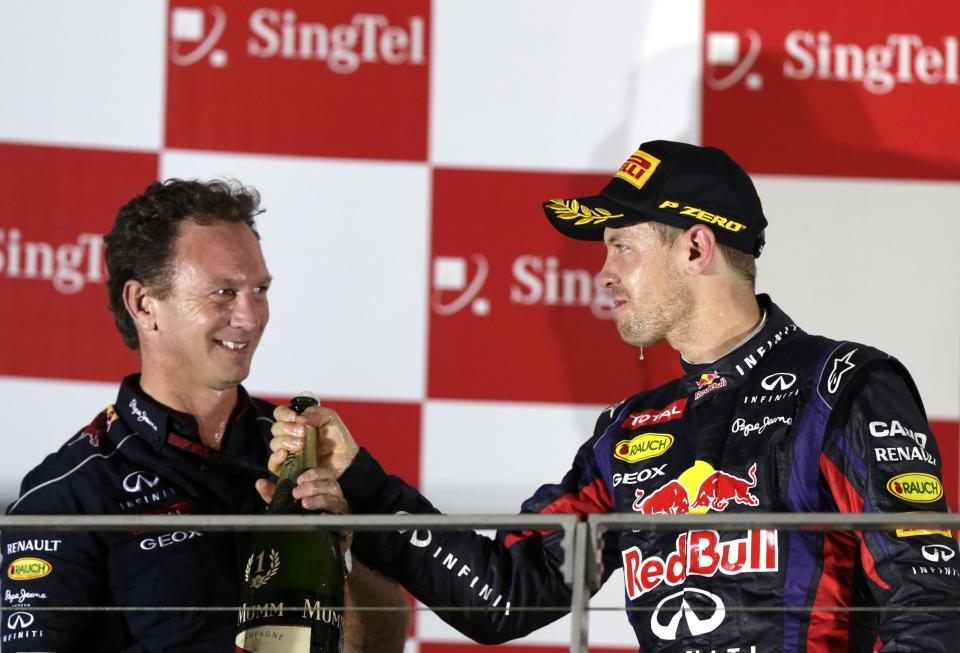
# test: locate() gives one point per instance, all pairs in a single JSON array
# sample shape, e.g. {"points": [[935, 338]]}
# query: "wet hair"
{"points": [[141, 243], [743, 265]]}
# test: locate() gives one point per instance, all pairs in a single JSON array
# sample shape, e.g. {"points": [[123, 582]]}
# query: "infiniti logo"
{"points": [[19, 620], [937, 552], [139, 481], [779, 381], [703, 617]]}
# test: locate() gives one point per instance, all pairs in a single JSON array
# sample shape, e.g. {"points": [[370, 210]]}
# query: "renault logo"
{"points": [[19, 620], [139, 482], [702, 614], [780, 381]]}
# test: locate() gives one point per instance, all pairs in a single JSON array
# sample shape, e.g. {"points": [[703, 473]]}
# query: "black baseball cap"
{"points": [[674, 183]]}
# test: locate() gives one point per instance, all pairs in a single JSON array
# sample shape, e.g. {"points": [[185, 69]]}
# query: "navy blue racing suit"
{"points": [[787, 422], [134, 458]]}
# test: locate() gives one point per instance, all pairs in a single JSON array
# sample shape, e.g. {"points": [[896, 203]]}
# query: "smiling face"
{"points": [[651, 299], [209, 322]]}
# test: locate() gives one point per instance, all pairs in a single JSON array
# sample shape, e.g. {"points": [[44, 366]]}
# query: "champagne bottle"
{"points": [[291, 581]]}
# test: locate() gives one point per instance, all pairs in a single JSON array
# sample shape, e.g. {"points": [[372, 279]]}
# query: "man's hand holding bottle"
{"points": [[317, 488]]}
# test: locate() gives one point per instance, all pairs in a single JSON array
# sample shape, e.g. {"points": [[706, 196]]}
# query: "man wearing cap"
{"points": [[766, 418]]}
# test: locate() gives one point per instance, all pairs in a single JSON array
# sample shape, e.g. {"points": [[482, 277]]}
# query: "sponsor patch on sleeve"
{"points": [[916, 488]]}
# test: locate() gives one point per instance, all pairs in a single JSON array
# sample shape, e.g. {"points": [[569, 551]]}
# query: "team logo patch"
{"points": [[916, 488], [707, 383], [642, 447], [28, 569], [638, 168]]}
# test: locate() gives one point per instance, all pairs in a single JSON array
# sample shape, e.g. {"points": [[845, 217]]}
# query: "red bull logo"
{"points": [[698, 490], [707, 379], [709, 382], [700, 553]]}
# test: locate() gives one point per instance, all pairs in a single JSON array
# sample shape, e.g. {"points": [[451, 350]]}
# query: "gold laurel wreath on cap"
{"points": [[574, 210]]}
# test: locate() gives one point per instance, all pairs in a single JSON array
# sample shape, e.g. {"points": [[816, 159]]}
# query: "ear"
{"points": [[140, 305], [699, 248]]}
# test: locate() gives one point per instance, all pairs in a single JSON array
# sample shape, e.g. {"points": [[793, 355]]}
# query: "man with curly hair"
{"points": [[188, 289]]}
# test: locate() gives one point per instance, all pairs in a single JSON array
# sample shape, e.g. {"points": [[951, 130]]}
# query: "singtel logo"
{"points": [[879, 67], [280, 34], [536, 280], [70, 266]]}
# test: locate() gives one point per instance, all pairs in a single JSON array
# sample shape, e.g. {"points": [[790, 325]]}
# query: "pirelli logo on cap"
{"points": [[638, 168]]}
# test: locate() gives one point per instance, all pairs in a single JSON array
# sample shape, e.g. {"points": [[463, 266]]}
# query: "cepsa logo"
{"points": [[366, 38], [818, 54], [68, 266]]}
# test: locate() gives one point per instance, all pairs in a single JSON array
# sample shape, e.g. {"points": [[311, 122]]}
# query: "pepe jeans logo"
{"points": [[141, 415]]}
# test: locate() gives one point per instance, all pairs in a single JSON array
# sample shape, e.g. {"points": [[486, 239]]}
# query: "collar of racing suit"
{"points": [[776, 327], [159, 426]]}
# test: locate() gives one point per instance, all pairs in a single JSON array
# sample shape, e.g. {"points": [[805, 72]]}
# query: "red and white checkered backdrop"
{"points": [[402, 148]]}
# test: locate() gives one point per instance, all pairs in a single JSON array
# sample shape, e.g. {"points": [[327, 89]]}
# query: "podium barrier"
{"points": [[581, 541]]}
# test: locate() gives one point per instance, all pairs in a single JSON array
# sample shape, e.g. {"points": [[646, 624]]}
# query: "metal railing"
{"points": [[581, 540]]}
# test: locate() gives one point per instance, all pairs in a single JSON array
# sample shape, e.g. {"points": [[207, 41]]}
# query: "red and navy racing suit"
{"points": [[134, 458], [787, 422]]}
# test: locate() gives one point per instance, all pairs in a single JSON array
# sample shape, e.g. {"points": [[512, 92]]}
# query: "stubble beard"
{"points": [[656, 319]]}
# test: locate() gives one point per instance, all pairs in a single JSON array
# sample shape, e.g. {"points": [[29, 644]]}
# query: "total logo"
{"points": [[68, 266], [535, 280], [195, 33], [880, 66]]}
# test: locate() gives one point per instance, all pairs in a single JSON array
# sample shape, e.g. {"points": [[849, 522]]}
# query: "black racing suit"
{"points": [[134, 458], [787, 422]]}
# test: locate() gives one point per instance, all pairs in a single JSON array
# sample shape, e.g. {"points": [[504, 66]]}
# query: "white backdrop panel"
{"points": [[346, 242], [871, 261], [564, 85], [86, 73]]}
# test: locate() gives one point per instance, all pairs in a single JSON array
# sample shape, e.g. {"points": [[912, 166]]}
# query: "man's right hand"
{"points": [[336, 448]]}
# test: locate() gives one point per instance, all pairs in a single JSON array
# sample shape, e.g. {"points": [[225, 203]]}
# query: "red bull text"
{"points": [[700, 553]]}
